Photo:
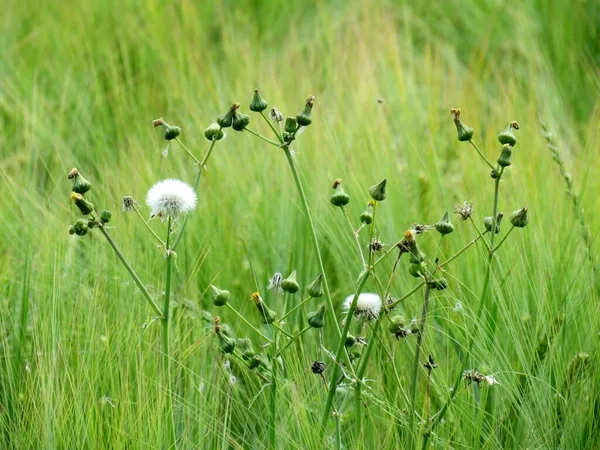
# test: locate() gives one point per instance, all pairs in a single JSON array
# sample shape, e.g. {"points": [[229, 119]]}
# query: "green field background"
{"points": [[80, 83]]}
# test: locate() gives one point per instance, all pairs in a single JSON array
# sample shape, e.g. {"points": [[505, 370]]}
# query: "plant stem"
{"points": [[293, 339], [462, 250], [287, 314], [188, 152], [487, 161], [165, 338], [156, 236], [258, 135], [415, 373], [273, 403], [481, 235], [277, 132], [248, 323], [355, 234], [134, 276], [503, 239], [201, 167]]}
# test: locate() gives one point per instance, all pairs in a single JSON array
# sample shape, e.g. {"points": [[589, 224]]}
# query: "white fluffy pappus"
{"points": [[368, 305], [170, 198]]}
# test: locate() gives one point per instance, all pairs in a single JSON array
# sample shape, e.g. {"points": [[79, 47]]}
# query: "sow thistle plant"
{"points": [[345, 364]]}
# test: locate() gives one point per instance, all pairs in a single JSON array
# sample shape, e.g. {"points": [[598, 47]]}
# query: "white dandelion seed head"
{"points": [[368, 305], [490, 380], [170, 198]]}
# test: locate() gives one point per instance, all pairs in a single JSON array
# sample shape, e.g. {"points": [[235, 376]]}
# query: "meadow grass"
{"points": [[80, 86]]}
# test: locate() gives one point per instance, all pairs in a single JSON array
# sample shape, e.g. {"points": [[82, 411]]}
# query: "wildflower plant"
{"points": [[345, 365]]}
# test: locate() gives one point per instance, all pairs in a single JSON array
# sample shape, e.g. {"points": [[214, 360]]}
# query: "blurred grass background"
{"points": [[80, 84]]}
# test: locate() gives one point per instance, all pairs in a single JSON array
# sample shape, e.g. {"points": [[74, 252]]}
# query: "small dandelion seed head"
{"points": [[232, 380], [464, 211], [276, 115], [368, 305], [376, 245], [458, 307], [128, 204], [171, 198], [275, 283], [420, 229]]}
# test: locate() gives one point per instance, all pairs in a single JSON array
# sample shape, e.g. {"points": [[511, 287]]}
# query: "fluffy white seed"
{"points": [[368, 305], [170, 198]]}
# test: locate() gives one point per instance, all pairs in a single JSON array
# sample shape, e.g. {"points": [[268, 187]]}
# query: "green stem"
{"points": [[372, 233], [248, 323], [292, 340], [201, 167], [136, 279], [462, 250], [258, 135], [188, 151], [287, 314], [487, 161], [415, 373], [481, 235], [156, 236], [273, 403], [165, 339], [355, 234], [503, 239], [282, 330], [277, 132]]}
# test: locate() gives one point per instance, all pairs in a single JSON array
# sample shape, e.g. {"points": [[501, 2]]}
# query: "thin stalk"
{"points": [[287, 314], [165, 339], [156, 236], [258, 135], [487, 161], [293, 339], [415, 372], [273, 403], [355, 234], [481, 235], [277, 132], [201, 167], [478, 314], [503, 239], [248, 323], [282, 330], [188, 151], [134, 276], [462, 250], [371, 234]]}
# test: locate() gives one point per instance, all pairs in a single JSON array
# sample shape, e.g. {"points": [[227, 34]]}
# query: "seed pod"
{"points": [[315, 289], [80, 228], [226, 120], [226, 343], [519, 218], [266, 315], [350, 340], [245, 347], [508, 136], [317, 367], [416, 255], [304, 118], [80, 184], [339, 197], [465, 133], [85, 206], [444, 226], [220, 296], [290, 125], [171, 131], [366, 218], [416, 270], [105, 216], [504, 159], [214, 132], [258, 104], [378, 192], [440, 284], [290, 284], [240, 121], [397, 323], [316, 319], [487, 222]]}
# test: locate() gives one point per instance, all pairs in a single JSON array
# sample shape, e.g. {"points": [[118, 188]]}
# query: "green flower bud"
{"points": [[440, 284], [487, 221], [504, 159], [290, 125], [105, 216], [80, 228], [519, 218], [444, 226], [350, 340], [80, 184], [91, 223], [220, 296], [214, 132], [316, 319], [378, 192], [465, 133], [339, 197], [258, 104], [416, 255], [508, 136], [171, 131], [416, 270], [257, 361], [226, 120], [315, 289], [366, 218], [355, 354], [82, 203], [240, 121], [304, 118], [226, 343], [397, 324], [290, 284], [245, 347], [266, 315], [71, 230]]}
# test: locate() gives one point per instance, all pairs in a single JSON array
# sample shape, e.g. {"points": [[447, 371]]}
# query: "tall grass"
{"points": [[80, 85]]}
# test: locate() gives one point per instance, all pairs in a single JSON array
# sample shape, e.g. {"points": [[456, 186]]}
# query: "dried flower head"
{"points": [[368, 305], [376, 245], [170, 198], [276, 115], [464, 211], [275, 283], [430, 364], [420, 229], [477, 377], [128, 204], [318, 367]]}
